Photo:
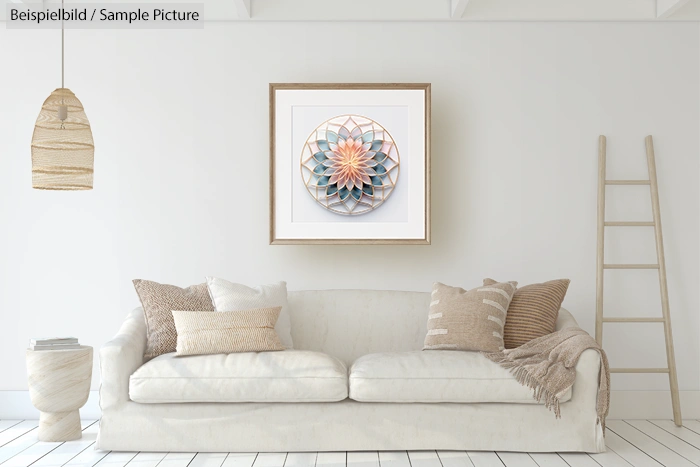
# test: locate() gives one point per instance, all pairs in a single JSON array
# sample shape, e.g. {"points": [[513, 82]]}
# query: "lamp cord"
{"points": [[62, 48]]}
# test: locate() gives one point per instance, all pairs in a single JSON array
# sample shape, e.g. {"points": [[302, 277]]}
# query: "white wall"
{"points": [[180, 121]]}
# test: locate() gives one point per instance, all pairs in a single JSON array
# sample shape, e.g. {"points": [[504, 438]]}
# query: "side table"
{"points": [[59, 385]]}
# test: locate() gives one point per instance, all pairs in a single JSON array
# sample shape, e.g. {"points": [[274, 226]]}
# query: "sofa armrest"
{"points": [[587, 380], [120, 357], [565, 320]]}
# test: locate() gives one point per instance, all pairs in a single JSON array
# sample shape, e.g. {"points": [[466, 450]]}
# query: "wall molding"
{"points": [[16, 405]]}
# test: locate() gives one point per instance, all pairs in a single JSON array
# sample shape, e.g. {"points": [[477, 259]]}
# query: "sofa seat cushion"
{"points": [[435, 376], [285, 376]]}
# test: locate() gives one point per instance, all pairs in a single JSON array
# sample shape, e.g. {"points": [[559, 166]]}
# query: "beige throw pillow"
{"points": [[533, 312], [201, 333], [468, 320], [158, 301]]}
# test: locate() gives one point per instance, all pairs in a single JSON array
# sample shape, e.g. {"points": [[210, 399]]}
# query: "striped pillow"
{"points": [[533, 312], [468, 320], [201, 332]]}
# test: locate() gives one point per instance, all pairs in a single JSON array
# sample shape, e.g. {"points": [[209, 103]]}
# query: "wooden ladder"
{"points": [[660, 266]]}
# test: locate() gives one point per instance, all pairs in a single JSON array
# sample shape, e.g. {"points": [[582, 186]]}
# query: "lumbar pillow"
{"points": [[158, 301], [468, 320], [202, 332], [533, 311], [228, 296]]}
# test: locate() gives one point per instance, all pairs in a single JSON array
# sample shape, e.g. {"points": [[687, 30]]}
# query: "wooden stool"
{"points": [[59, 385]]}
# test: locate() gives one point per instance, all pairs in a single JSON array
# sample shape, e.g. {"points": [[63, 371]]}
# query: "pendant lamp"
{"points": [[62, 147]]}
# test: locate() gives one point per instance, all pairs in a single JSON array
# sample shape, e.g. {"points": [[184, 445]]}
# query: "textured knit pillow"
{"points": [[159, 300], [468, 320], [200, 333], [229, 296], [533, 311]]}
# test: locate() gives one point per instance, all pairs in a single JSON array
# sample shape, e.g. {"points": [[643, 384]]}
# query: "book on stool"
{"points": [[54, 343]]}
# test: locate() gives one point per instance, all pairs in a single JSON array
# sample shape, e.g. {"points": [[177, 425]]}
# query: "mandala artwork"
{"points": [[350, 164]]}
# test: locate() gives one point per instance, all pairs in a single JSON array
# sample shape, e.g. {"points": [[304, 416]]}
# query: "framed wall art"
{"points": [[350, 163]]}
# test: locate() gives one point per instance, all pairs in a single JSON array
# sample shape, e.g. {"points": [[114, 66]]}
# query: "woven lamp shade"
{"points": [[62, 150]]}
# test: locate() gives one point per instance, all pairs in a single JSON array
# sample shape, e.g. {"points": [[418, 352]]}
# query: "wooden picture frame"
{"points": [[350, 163]]}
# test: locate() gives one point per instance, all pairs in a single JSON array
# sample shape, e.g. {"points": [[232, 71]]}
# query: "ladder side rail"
{"points": [[663, 285], [600, 255]]}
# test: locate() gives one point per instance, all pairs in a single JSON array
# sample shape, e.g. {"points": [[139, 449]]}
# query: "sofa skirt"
{"points": [[348, 426]]}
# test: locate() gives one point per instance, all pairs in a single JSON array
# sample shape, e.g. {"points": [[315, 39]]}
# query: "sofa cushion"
{"points": [[533, 311], [468, 319], [159, 300], [229, 296], [285, 376], [206, 333], [435, 376]]}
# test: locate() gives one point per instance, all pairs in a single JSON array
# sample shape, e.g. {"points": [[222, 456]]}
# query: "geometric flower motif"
{"points": [[350, 164]]}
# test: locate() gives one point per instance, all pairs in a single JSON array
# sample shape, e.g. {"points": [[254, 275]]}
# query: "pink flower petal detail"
{"points": [[365, 179], [350, 184], [334, 178]]}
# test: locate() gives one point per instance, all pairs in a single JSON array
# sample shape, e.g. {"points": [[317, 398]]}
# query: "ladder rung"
{"points": [[633, 320], [627, 182], [630, 266], [629, 224], [638, 370]]}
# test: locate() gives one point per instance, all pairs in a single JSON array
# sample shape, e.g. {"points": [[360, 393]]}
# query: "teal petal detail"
{"points": [[367, 137], [379, 157], [376, 181], [323, 181], [343, 133], [356, 193], [332, 189], [343, 193], [380, 169], [376, 145], [319, 156], [323, 145], [332, 137], [319, 169], [368, 190]]}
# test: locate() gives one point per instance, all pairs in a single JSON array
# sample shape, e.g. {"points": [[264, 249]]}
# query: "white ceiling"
{"points": [[435, 10]]}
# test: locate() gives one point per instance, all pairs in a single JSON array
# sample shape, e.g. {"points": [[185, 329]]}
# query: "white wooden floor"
{"points": [[638, 443]]}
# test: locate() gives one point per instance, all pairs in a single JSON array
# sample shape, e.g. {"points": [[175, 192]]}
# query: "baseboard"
{"points": [[623, 404]]}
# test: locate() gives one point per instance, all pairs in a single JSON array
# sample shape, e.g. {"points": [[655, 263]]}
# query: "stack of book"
{"points": [[54, 343]]}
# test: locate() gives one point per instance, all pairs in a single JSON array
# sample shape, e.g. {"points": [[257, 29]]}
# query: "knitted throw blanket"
{"points": [[548, 366]]}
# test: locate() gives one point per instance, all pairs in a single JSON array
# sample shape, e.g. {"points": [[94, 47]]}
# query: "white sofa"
{"points": [[358, 343]]}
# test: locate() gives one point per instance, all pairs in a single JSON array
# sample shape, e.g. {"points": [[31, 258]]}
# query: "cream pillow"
{"points": [[202, 332], [229, 296], [468, 320]]}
